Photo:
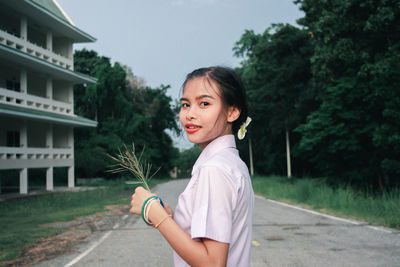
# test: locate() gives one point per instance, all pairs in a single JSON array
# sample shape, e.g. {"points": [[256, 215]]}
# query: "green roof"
{"points": [[50, 13], [53, 8], [24, 112]]}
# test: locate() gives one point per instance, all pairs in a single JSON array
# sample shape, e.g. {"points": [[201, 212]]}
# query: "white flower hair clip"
{"points": [[242, 131]]}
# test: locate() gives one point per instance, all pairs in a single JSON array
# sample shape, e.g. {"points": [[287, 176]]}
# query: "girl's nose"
{"points": [[190, 114]]}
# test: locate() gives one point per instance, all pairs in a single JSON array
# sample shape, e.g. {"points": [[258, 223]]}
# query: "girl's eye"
{"points": [[184, 105], [203, 104]]}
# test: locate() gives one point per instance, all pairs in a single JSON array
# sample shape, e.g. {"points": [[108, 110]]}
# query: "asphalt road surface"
{"points": [[283, 235]]}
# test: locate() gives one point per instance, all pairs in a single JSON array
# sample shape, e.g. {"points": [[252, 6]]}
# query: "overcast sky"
{"points": [[163, 40]]}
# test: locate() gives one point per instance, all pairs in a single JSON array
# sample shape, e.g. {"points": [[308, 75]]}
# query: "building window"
{"points": [[13, 139], [13, 85]]}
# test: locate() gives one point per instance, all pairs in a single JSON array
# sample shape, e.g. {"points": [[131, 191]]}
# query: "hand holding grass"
{"points": [[126, 160], [138, 198]]}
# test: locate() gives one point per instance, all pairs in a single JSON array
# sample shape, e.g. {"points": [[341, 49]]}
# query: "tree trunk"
{"points": [[380, 182]]}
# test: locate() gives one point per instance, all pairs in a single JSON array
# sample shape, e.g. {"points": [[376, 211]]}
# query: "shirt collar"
{"points": [[212, 148]]}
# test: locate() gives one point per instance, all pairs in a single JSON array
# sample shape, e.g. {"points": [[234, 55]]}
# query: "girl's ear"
{"points": [[233, 114]]}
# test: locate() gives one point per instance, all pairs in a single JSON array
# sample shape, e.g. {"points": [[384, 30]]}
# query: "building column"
{"points": [[49, 88], [23, 181], [70, 50], [49, 179], [24, 31], [71, 138], [71, 176], [23, 80], [23, 138], [24, 28], [49, 145], [71, 97], [49, 41], [23, 173], [49, 136], [71, 169], [70, 55]]}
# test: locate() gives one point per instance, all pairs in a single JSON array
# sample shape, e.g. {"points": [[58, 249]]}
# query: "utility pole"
{"points": [[289, 168], [251, 157]]}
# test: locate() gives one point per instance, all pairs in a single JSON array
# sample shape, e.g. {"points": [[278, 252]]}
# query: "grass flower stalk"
{"points": [[126, 160]]}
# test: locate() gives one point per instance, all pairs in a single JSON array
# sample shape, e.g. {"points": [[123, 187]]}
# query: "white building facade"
{"points": [[37, 75]]}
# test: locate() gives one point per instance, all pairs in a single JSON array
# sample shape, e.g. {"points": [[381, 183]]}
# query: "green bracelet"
{"points": [[144, 206]]}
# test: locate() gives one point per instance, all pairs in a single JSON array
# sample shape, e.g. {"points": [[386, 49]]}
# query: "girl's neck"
{"points": [[204, 145]]}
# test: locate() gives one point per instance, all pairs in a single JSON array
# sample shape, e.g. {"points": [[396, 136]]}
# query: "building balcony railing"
{"points": [[35, 153], [35, 102], [16, 42]]}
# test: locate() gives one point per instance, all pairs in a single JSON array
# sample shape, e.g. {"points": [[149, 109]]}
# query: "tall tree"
{"points": [[276, 73], [126, 112], [355, 132]]}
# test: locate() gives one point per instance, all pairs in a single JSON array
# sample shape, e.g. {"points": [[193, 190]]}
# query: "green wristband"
{"points": [[144, 206]]}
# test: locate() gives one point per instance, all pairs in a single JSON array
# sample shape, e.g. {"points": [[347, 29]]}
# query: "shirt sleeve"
{"points": [[214, 196]]}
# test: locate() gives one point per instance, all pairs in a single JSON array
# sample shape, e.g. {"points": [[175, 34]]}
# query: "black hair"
{"points": [[230, 86]]}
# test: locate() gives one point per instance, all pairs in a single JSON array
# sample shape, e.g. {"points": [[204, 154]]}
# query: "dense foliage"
{"points": [[355, 133], [187, 158], [126, 111], [336, 83], [276, 72]]}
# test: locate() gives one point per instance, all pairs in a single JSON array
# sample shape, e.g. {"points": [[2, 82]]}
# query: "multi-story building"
{"points": [[36, 88]]}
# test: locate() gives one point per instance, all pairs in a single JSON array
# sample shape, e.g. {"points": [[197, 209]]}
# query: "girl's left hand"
{"points": [[138, 198]]}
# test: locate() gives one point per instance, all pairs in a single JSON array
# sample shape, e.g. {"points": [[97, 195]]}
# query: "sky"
{"points": [[163, 40]]}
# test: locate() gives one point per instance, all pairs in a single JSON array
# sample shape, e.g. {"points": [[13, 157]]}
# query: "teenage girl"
{"points": [[212, 224]]}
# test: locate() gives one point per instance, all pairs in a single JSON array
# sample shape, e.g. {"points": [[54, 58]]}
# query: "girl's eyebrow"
{"points": [[197, 98]]}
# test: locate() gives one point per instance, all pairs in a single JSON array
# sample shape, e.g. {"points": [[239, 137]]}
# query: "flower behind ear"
{"points": [[242, 130]]}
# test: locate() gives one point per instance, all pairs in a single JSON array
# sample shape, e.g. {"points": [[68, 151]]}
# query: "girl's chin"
{"points": [[194, 140]]}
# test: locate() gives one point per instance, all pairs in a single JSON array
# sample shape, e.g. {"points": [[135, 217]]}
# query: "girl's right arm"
{"points": [[206, 252]]}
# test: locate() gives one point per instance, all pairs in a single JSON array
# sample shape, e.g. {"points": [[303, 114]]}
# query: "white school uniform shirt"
{"points": [[218, 201]]}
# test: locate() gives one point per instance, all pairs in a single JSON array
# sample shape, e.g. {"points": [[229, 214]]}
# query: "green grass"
{"points": [[381, 210], [21, 218]]}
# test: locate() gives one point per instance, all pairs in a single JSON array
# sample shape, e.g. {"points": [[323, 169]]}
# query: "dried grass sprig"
{"points": [[126, 160]]}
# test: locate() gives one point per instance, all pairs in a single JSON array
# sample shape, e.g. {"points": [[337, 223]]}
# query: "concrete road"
{"points": [[283, 235]]}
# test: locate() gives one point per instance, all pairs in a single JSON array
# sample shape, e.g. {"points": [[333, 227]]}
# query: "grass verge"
{"points": [[383, 210], [21, 219]]}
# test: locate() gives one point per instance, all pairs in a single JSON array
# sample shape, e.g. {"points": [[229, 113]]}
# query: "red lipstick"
{"points": [[191, 128]]}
